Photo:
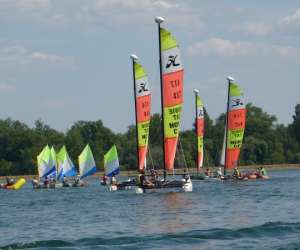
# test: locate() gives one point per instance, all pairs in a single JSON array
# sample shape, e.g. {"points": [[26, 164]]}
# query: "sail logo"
{"points": [[143, 87], [172, 61], [237, 102]]}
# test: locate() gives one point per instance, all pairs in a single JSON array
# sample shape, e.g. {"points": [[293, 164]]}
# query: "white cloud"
{"points": [[226, 48], [24, 59], [256, 28], [28, 8], [292, 20], [141, 11], [221, 47], [6, 88]]}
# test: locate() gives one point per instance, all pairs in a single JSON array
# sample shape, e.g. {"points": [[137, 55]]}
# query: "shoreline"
{"points": [[179, 171]]}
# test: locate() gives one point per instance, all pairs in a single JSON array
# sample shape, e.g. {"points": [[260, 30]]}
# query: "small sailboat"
{"points": [[112, 167], [65, 166], [46, 168], [199, 124], [87, 165], [235, 127], [171, 79]]}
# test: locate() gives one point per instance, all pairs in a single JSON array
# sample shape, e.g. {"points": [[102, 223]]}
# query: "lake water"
{"points": [[217, 215]]}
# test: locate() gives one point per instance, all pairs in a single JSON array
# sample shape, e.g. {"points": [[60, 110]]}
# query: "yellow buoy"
{"points": [[20, 183]]}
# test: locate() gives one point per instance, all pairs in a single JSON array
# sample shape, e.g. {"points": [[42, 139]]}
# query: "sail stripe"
{"points": [[172, 88]]}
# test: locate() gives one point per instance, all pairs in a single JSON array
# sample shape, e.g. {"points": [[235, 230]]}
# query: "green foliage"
{"points": [[265, 142]]}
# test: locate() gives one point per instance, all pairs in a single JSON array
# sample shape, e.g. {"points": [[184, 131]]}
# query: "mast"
{"points": [[196, 91], [159, 20], [229, 79], [134, 58]]}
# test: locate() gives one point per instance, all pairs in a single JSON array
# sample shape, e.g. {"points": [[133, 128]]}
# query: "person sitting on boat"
{"points": [[262, 172], [153, 175], [35, 183], [78, 182], [236, 173], [207, 172], [185, 176], [65, 182], [113, 180], [104, 180], [46, 182], [9, 182], [144, 182], [219, 172], [52, 182]]}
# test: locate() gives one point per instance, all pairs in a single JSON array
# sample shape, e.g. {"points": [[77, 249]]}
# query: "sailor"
{"points": [[185, 176], [262, 171], [219, 172], [144, 182], [65, 182], [9, 181], [46, 182], [35, 182], [207, 172], [113, 180], [236, 173]]}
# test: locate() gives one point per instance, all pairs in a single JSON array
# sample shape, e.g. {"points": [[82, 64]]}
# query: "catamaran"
{"points": [[171, 80], [234, 128], [199, 129]]}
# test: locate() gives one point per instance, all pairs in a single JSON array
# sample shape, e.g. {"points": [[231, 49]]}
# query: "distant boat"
{"points": [[199, 130], [234, 128], [65, 166], [87, 165]]}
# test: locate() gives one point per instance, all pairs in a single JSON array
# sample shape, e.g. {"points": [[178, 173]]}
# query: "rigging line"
{"points": [[150, 156], [183, 156]]}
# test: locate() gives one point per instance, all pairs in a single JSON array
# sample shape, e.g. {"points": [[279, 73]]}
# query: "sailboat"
{"points": [[112, 166], [199, 124], [87, 165], [171, 80], [46, 166], [46, 163], [65, 166], [235, 126]]}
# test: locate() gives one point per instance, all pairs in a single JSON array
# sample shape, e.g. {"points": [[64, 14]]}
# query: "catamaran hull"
{"points": [[173, 186]]}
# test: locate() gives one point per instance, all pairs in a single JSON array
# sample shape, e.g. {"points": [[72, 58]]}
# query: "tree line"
{"points": [[265, 142]]}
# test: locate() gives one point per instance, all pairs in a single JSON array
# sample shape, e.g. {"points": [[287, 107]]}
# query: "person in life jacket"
{"points": [[219, 172], [236, 173], [262, 171]]}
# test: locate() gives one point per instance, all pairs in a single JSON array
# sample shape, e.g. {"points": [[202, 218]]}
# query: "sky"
{"points": [[67, 60]]}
